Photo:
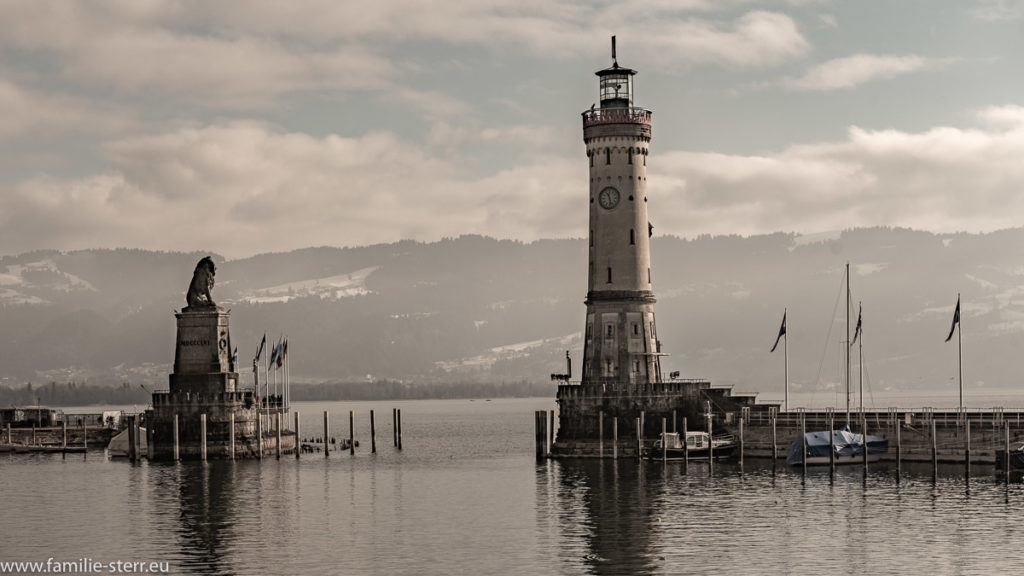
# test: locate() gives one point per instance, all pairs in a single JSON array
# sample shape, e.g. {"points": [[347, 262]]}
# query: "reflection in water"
{"points": [[207, 499], [607, 505]]}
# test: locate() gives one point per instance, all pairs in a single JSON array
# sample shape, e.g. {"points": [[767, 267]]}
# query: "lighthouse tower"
{"points": [[620, 339]]}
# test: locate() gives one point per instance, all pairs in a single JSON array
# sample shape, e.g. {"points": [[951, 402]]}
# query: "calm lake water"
{"points": [[466, 496]]}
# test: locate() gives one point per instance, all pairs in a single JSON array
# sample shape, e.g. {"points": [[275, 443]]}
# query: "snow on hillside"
{"points": [[340, 286]]}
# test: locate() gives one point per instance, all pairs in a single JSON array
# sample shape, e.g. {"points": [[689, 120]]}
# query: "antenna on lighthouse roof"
{"points": [[614, 61]]}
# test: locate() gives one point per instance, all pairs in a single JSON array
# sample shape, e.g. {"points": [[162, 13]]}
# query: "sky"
{"points": [[243, 128]]}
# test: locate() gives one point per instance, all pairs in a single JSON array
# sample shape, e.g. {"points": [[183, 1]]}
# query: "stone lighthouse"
{"points": [[620, 338], [621, 393]]}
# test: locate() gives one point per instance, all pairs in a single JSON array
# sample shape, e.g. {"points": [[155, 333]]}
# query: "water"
{"points": [[467, 497]]}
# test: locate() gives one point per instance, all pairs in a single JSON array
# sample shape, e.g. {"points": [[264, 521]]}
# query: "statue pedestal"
{"points": [[204, 381]]}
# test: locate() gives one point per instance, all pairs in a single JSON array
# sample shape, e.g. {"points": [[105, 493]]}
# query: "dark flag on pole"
{"points": [[782, 332], [856, 331], [260, 351], [956, 318]]}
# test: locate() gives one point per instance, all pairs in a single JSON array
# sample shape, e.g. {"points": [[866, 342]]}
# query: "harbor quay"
{"points": [[622, 421]]}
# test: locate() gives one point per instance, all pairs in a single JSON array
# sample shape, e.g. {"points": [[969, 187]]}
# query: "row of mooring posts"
{"points": [[133, 435], [545, 436]]}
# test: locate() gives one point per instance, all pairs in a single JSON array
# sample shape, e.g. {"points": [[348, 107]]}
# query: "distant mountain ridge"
{"points": [[474, 308]]}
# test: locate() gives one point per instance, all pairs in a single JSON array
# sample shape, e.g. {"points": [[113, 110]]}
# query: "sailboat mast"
{"points": [[847, 342]]}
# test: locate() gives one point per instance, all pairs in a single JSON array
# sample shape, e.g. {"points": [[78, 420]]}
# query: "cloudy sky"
{"points": [[241, 128]]}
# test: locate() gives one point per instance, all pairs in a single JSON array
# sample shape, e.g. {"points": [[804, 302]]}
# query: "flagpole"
{"points": [[860, 359], [785, 353], [847, 342], [960, 351]]}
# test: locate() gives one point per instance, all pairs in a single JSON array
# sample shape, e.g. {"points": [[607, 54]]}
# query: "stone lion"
{"points": [[202, 283]]}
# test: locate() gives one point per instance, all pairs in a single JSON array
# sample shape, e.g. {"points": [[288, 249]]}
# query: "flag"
{"points": [[273, 356], [285, 351], [856, 331], [956, 318], [782, 332], [280, 353], [260, 351], [234, 356]]}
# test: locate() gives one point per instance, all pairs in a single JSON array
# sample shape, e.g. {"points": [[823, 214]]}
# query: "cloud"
{"points": [[244, 187], [943, 179], [239, 188], [217, 55], [998, 9], [853, 71], [33, 113]]}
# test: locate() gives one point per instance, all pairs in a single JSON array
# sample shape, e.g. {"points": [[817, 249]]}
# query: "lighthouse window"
{"points": [[609, 274], [630, 155], [609, 330], [636, 329], [607, 155], [632, 236], [648, 275]]}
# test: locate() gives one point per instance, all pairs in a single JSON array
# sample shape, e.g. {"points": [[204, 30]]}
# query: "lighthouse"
{"points": [[620, 336], [621, 396]]}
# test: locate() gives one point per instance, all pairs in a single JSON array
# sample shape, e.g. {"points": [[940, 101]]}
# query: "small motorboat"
{"points": [[696, 447]]}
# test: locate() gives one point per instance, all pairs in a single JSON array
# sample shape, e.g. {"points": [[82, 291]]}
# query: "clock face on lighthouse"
{"points": [[609, 198]]}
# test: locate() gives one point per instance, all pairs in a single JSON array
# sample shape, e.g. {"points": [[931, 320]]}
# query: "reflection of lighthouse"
{"points": [[621, 343]]}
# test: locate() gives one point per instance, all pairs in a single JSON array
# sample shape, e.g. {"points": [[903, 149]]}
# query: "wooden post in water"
{"points": [[259, 436], [967, 449], [138, 437], [298, 442], [615, 438], [9, 439], [399, 428], [277, 424], [600, 434], [639, 439], [741, 442], [85, 435], [775, 445], [131, 438], [231, 435], [538, 425], [664, 441], [373, 435], [34, 433], [202, 436], [803, 443], [831, 445], [551, 431], [64, 434], [674, 429], [351, 432], [1006, 452], [394, 424], [864, 440], [899, 449], [711, 444], [686, 449], [935, 450], [327, 430], [174, 434]]}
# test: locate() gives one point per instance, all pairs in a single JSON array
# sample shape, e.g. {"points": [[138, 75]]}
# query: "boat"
{"points": [[118, 446], [696, 448], [848, 448], [1016, 453]]}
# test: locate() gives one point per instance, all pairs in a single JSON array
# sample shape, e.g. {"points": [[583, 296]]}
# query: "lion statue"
{"points": [[202, 283]]}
